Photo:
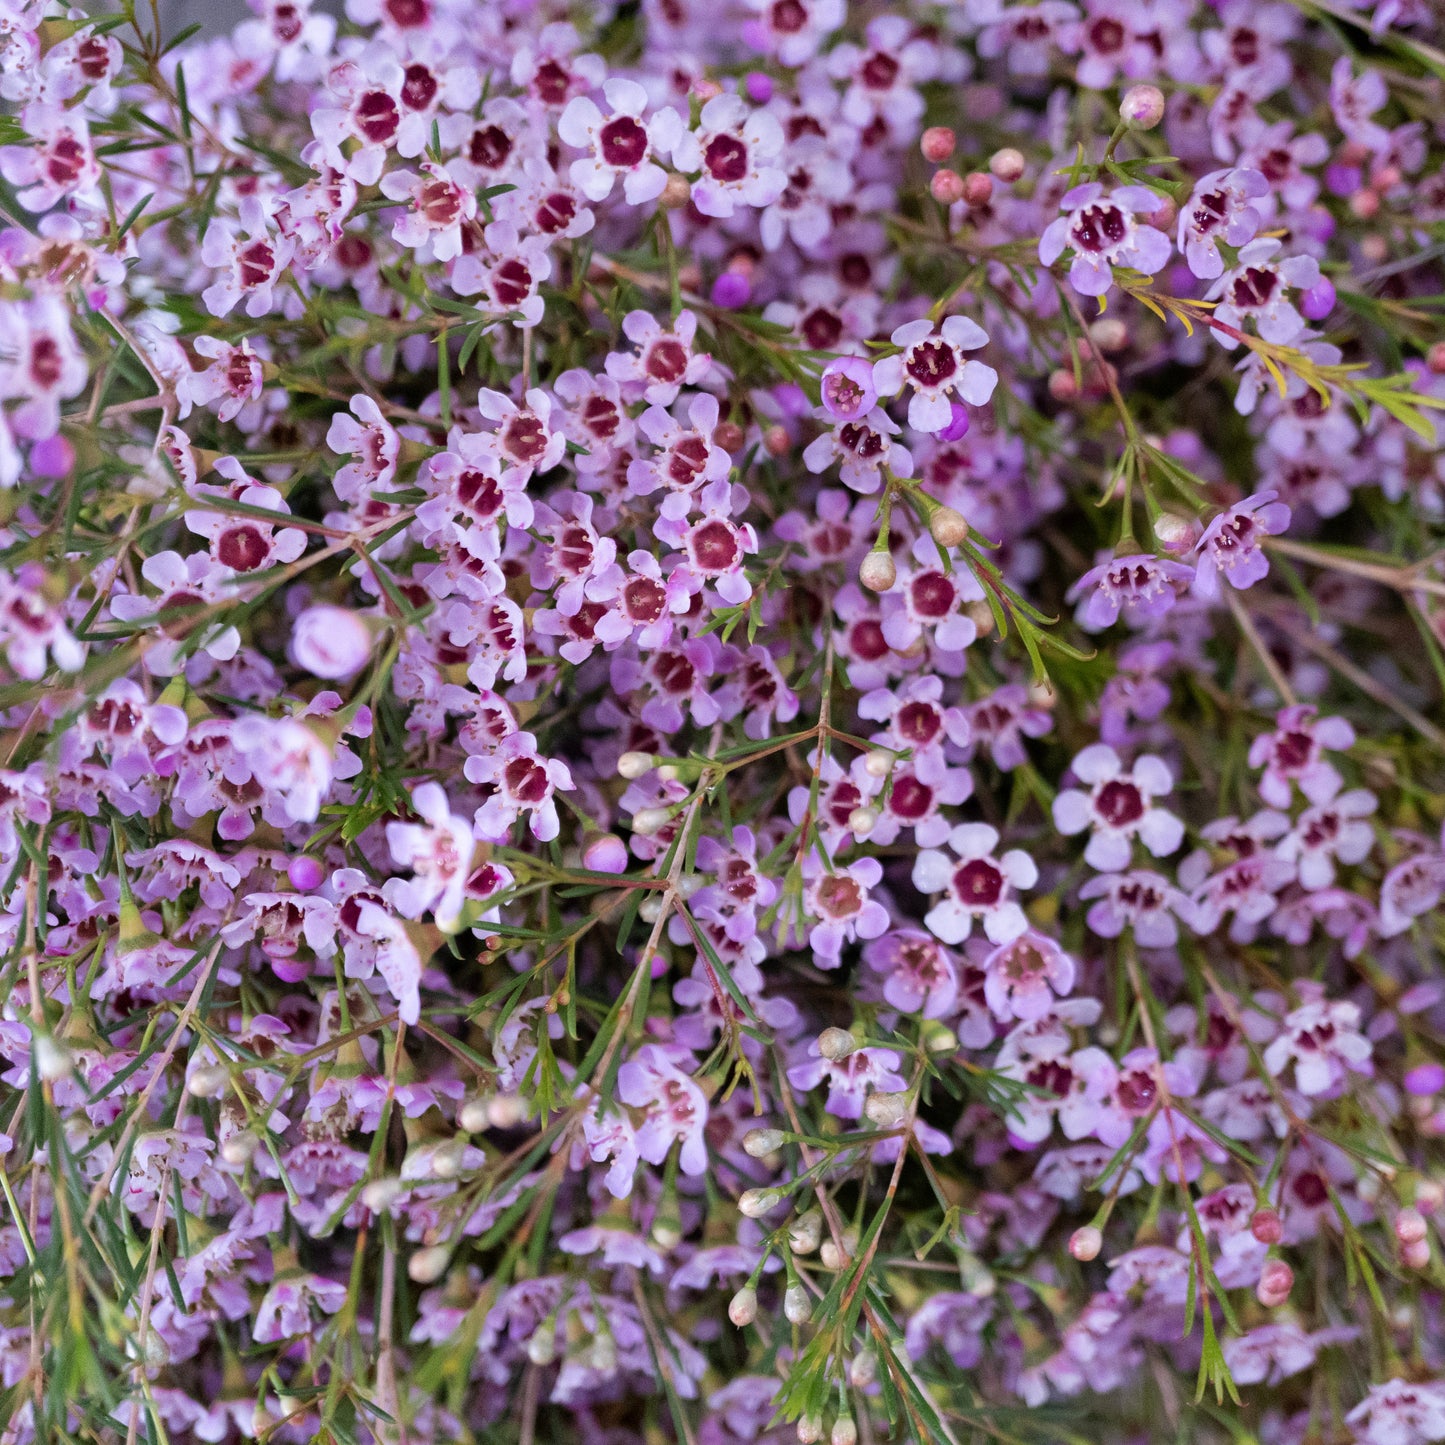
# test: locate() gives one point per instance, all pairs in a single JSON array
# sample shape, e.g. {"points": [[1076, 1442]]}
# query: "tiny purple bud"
{"points": [[957, 427], [52, 456], [731, 290], [330, 642], [1319, 300], [604, 853], [847, 388], [1425, 1079], [305, 873], [759, 87]]}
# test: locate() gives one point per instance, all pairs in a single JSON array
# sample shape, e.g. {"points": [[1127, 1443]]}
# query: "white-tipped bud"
{"points": [[52, 1060], [878, 572], [836, 1043], [862, 821], [1007, 165], [1416, 1255], [948, 527], [634, 765], [669, 772], [1429, 1196], [796, 1305], [759, 1143], [844, 1432], [209, 1081], [1172, 529], [1276, 1280], [506, 1111], [810, 1430], [862, 1370], [649, 821], [743, 1306], [650, 910], [381, 1194], [878, 763], [836, 1253], [604, 1354], [1142, 107], [238, 1149], [754, 1203], [542, 1347], [428, 1265], [1410, 1226], [475, 1115], [887, 1109], [937, 1037], [805, 1232], [446, 1159], [1085, 1243]]}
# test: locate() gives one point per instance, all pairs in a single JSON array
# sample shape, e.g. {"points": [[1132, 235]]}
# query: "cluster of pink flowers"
{"points": [[719, 722]]}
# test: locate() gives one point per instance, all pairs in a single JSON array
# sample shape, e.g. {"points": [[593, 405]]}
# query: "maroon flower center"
{"points": [[1106, 35], [1119, 803], [686, 459], [1137, 1092], [574, 551], [254, 264], [666, 361], [408, 14], [1294, 750], [489, 147], [93, 56], [725, 158], [440, 203], [623, 142], [242, 549], [1098, 228], [918, 723], [822, 329], [714, 546], [931, 363], [978, 883], [66, 161], [839, 897], [910, 799], [789, 17], [600, 417], [933, 595], [525, 780], [1053, 1076], [377, 117], [512, 282], [550, 83], [479, 494], [862, 441], [525, 437], [418, 88], [556, 213], [644, 599], [45, 363], [866, 640], [675, 673], [879, 71], [1254, 287]]}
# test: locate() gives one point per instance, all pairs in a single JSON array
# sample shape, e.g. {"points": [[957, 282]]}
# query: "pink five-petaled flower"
{"points": [[664, 361], [1139, 585], [520, 781], [975, 884], [1118, 807], [1233, 544], [623, 144], [847, 388], [929, 363], [849, 1079], [1258, 287], [840, 901], [1220, 209], [675, 1108], [1102, 233], [1294, 753], [439, 853], [733, 151], [1023, 977], [1323, 1041]]}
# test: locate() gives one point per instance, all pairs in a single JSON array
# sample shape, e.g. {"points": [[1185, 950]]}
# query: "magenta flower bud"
{"points": [[1425, 1079], [1416, 1255], [731, 290], [305, 873], [758, 86], [1266, 1226], [957, 427], [946, 187], [937, 143], [1007, 164], [1319, 300], [330, 642], [1342, 180], [847, 388], [1275, 1283], [604, 853], [53, 456], [1142, 107]]}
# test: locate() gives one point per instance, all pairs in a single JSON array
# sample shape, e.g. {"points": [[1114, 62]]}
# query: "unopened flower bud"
{"points": [[446, 1159], [878, 572], [604, 853], [1435, 358], [1319, 300], [862, 1370], [428, 1265], [796, 1306], [805, 1232], [810, 1430], [862, 821], [1142, 107], [1266, 1226], [948, 527], [836, 1253], [728, 435], [946, 187], [1042, 694], [1410, 1226], [474, 1115], [977, 188], [381, 1194], [878, 763], [743, 1307], [1063, 385], [209, 1081], [844, 1431], [1275, 1283], [1429, 1196], [1365, 204], [676, 193], [669, 772], [506, 1111], [52, 1060], [777, 442], [649, 821], [238, 1149], [1416, 1255], [634, 765], [887, 1109], [836, 1043], [937, 143], [1172, 530], [1109, 333], [1085, 1243], [542, 1347], [305, 873], [754, 1203], [1006, 164], [937, 1037], [330, 642], [759, 1143]]}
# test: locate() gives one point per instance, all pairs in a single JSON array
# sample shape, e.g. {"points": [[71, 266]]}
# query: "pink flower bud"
{"points": [[1266, 1226], [1142, 107], [1085, 1243], [878, 572], [1275, 1283], [604, 853], [937, 143], [1410, 1226], [1319, 300], [305, 873], [946, 187], [330, 642], [731, 290], [958, 423], [52, 457], [1007, 164], [977, 188]]}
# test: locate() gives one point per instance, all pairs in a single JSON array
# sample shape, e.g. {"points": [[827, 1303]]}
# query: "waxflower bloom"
{"points": [[623, 144], [1118, 807], [976, 885], [1102, 232], [929, 363], [1232, 544]]}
